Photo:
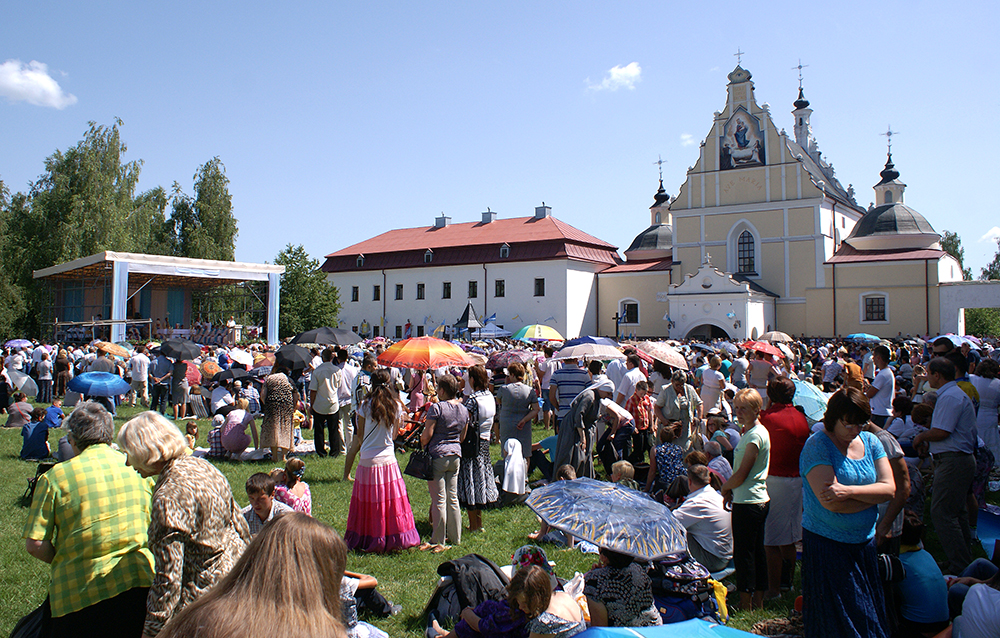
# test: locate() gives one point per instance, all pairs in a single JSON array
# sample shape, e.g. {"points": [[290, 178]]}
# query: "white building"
{"points": [[524, 270]]}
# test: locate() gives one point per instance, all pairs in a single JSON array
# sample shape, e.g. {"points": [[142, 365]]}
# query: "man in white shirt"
{"points": [[544, 370], [882, 389], [325, 402], [709, 526], [625, 387], [138, 367], [867, 364], [347, 374]]}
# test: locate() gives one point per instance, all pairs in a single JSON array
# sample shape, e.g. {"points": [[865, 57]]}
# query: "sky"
{"points": [[338, 121]]}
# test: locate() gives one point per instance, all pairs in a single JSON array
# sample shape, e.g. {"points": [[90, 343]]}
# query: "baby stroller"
{"points": [[410, 430]]}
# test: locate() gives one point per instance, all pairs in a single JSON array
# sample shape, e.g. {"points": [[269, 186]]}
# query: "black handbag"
{"points": [[419, 465], [470, 444], [36, 624]]}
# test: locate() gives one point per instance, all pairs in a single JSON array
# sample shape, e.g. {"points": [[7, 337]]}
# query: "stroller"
{"points": [[410, 430]]}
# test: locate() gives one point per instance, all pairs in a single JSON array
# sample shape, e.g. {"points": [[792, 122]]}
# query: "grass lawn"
{"points": [[406, 578]]}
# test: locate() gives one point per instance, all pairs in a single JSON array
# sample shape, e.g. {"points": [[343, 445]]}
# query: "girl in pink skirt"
{"points": [[380, 518]]}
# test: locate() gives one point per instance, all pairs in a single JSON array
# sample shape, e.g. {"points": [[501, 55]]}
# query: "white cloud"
{"points": [[991, 235], [31, 83], [687, 139], [619, 77]]}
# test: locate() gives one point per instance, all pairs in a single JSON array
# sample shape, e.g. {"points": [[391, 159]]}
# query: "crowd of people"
{"points": [[723, 442]]}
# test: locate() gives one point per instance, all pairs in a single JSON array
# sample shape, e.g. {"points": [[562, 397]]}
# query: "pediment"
{"points": [[709, 280]]}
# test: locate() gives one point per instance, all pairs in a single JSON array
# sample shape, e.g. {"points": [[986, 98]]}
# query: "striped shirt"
{"points": [[569, 381], [95, 511]]}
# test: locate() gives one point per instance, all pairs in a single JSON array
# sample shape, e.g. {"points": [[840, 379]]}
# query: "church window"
{"points": [[473, 289], [629, 311], [888, 197], [874, 308], [658, 217], [499, 288], [745, 262], [376, 293], [539, 286], [800, 121]]}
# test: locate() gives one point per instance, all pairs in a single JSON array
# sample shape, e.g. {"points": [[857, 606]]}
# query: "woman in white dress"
{"points": [[988, 385]]}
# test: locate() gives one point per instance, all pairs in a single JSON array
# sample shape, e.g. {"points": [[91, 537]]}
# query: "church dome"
{"points": [[892, 226], [656, 242]]}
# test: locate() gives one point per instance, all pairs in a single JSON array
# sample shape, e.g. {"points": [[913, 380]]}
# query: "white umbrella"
{"points": [[23, 382], [589, 351], [241, 356]]}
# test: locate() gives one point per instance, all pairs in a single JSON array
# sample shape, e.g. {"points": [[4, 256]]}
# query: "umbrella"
{"points": [[729, 347], [180, 349], [292, 357], [98, 384], [810, 398], [503, 358], [589, 350], [113, 349], [663, 352], [611, 516], [241, 356], [193, 374], [424, 353], [209, 369], [18, 343], [476, 358], [776, 336], [261, 372], [261, 360], [327, 336], [861, 336], [602, 341], [538, 332], [765, 347], [786, 351], [231, 374], [23, 382]]}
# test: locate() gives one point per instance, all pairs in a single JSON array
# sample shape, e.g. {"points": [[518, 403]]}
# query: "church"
{"points": [[761, 236]]}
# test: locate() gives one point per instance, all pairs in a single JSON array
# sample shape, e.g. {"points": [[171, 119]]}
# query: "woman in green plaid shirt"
{"points": [[89, 519]]}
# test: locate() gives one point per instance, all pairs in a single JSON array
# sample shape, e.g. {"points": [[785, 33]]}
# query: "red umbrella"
{"points": [[424, 353], [765, 347], [193, 374]]}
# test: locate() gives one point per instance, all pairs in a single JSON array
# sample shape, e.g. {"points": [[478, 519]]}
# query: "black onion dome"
{"points": [[656, 237], [892, 219], [802, 102]]}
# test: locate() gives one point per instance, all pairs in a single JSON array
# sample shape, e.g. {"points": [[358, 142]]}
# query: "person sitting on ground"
{"points": [[623, 473], [54, 414], [544, 533], [716, 462], [191, 435], [291, 489], [550, 614], [234, 438], [263, 507], [350, 586], [221, 397], [511, 471], [923, 592], [19, 411], [286, 583], [709, 525], [900, 424], [666, 460], [214, 438], [619, 593], [36, 437]]}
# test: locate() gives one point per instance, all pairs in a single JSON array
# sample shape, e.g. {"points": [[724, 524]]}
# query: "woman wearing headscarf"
{"points": [[512, 469], [578, 431]]}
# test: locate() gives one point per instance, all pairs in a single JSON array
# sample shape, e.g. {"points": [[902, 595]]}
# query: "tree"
{"points": [[307, 299], [952, 244], [203, 225], [992, 269]]}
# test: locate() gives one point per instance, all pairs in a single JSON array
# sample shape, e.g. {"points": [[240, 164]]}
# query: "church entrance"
{"points": [[707, 332]]}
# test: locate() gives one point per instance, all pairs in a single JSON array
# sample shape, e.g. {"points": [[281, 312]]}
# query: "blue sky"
{"points": [[338, 121]]}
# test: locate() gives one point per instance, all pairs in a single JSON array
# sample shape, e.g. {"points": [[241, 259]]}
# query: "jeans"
{"points": [[980, 569], [322, 422], [445, 513], [158, 401], [44, 391], [952, 480]]}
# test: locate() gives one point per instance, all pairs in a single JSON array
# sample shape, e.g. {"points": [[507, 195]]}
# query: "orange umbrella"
{"points": [[765, 347], [263, 359], [209, 369], [424, 353]]}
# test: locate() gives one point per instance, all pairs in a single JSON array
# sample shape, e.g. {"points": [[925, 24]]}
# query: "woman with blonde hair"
{"points": [[196, 531], [285, 585], [234, 430]]}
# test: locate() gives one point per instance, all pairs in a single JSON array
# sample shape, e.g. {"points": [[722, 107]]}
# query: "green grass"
{"points": [[407, 578]]}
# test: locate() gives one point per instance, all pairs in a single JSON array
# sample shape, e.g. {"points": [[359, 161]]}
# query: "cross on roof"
{"points": [[888, 136], [800, 67], [739, 56], [660, 162]]}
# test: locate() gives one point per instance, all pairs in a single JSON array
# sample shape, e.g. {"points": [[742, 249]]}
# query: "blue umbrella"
{"points": [[18, 343], [598, 341], [862, 336], [811, 399], [610, 516], [98, 384]]}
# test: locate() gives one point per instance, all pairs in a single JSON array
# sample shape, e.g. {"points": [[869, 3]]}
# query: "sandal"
{"points": [[425, 546], [440, 548]]}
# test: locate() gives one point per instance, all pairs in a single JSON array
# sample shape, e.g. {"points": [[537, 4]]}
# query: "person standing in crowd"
{"points": [[43, 372], [160, 374], [444, 430], [882, 389], [847, 475], [196, 532], [347, 373], [746, 489], [788, 430], [952, 442], [518, 408], [88, 519], [625, 387], [477, 486], [679, 401], [324, 399], [543, 372], [279, 399], [567, 382], [712, 385], [138, 367]]}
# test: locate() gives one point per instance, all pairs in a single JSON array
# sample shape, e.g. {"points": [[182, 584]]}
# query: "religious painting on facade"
{"points": [[742, 141]]}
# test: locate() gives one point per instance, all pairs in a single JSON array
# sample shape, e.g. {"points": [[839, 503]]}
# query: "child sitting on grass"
{"points": [[36, 436], [545, 533], [623, 473], [192, 434]]}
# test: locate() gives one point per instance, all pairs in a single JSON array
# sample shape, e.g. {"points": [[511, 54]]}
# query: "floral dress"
{"points": [[669, 463], [298, 503]]}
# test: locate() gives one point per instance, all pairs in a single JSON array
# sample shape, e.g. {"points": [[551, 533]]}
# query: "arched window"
{"points": [[658, 217], [745, 254]]}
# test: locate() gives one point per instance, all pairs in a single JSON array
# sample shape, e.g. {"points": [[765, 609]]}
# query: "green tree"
{"points": [[11, 297], [985, 321], [992, 269], [952, 244], [203, 225], [307, 299]]}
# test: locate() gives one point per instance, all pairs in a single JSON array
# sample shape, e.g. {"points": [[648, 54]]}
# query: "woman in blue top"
{"points": [[847, 476]]}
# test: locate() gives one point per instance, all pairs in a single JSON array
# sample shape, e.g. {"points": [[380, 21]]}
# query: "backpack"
{"points": [[682, 589]]}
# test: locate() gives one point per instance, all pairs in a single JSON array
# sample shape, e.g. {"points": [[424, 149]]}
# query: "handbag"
{"points": [[470, 444], [419, 465]]}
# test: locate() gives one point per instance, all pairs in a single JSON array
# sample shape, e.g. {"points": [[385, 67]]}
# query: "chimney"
{"points": [[543, 211], [442, 221], [489, 216]]}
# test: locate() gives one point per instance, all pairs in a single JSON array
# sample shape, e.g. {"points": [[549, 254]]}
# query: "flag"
{"points": [[492, 317], [426, 319], [621, 318]]}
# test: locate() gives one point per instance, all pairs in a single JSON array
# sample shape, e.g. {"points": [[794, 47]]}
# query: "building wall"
{"points": [[649, 290]]}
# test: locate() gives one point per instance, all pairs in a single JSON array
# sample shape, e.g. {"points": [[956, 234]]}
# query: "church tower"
{"points": [[803, 130], [890, 189]]}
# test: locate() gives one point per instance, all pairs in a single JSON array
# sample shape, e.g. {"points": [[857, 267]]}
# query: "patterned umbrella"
{"points": [[113, 349], [765, 347], [209, 369], [613, 517], [503, 358], [590, 351], [424, 353], [18, 343], [538, 332], [193, 374], [603, 341], [261, 360], [663, 352]]}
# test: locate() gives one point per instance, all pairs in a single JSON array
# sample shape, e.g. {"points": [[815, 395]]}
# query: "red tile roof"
{"points": [[511, 231], [848, 254], [640, 266]]}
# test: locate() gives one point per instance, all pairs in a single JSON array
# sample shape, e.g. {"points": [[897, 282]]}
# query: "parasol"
{"points": [[862, 336], [261, 360], [590, 351], [241, 356], [293, 357], [811, 399], [424, 353], [209, 369], [538, 332], [776, 336], [18, 343], [610, 516], [23, 382], [180, 349], [193, 374], [602, 341], [113, 349], [232, 374], [503, 358], [663, 352], [765, 347], [327, 336], [98, 384]]}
